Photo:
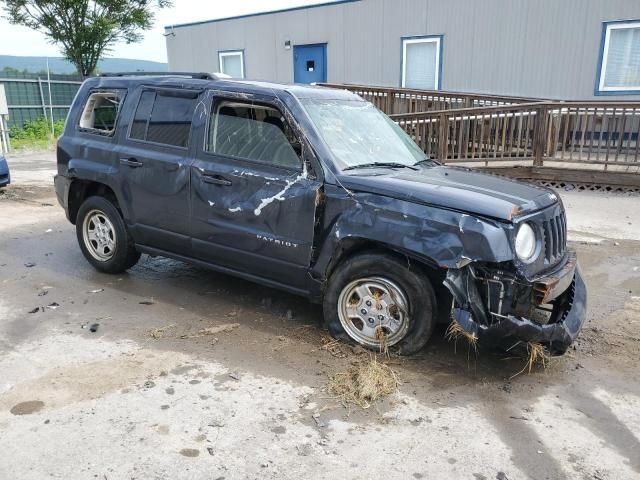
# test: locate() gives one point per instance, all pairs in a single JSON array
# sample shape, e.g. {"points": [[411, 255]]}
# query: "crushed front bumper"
{"points": [[564, 289]]}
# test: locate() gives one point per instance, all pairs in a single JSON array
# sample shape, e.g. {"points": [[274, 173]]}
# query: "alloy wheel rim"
{"points": [[373, 311], [99, 235]]}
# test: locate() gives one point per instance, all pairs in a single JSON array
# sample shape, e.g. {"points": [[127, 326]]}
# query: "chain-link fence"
{"points": [[28, 97]]}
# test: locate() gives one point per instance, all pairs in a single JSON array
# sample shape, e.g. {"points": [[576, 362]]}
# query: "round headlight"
{"points": [[525, 243]]}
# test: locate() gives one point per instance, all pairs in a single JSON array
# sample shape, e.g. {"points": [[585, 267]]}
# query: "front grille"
{"points": [[555, 238]]}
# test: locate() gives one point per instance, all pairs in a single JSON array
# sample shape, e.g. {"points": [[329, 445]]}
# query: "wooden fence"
{"points": [[493, 131], [404, 100], [482, 134], [604, 135], [593, 133]]}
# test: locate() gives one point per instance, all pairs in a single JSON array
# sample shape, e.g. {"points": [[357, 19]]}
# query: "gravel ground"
{"points": [[146, 395]]}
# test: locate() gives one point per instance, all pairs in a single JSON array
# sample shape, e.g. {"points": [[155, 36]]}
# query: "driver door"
{"points": [[253, 201]]}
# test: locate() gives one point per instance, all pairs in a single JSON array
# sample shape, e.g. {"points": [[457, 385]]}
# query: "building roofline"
{"points": [[260, 14]]}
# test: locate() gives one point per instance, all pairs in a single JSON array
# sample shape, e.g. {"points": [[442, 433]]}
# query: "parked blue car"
{"points": [[5, 177]]}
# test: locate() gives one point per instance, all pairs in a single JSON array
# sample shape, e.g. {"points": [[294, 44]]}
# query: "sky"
{"points": [[16, 40]]}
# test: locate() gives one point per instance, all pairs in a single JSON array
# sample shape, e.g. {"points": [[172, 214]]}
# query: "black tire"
{"points": [[411, 279], [124, 255]]}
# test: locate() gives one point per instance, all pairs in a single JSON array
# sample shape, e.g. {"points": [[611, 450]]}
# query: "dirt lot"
{"points": [[150, 395]]}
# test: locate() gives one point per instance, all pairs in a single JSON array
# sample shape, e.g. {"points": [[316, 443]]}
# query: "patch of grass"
{"points": [[36, 134], [364, 383], [31, 144]]}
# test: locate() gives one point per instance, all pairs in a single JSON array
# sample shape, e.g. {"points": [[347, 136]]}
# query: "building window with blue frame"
{"points": [[619, 59], [231, 62], [422, 62]]}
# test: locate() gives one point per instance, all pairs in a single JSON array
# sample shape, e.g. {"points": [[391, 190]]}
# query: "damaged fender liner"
{"points": [[509, 330]]}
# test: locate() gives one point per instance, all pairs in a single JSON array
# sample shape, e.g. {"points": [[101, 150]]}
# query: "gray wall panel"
{"points": [[539, 48], [290, 26], [363, 37]]}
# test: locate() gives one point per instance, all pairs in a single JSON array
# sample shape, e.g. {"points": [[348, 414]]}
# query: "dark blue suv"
{"points": [[315, 191]]}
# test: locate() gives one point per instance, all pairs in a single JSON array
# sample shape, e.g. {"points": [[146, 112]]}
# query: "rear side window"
{"points": [[100, 113], [254, 132], [164, 116]]}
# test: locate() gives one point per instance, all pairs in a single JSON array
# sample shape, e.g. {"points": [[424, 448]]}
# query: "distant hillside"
{"points": [[60, 65]]}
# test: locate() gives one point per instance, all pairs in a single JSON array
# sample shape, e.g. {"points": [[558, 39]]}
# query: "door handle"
{"points": [[131, 162], [216, 180]]}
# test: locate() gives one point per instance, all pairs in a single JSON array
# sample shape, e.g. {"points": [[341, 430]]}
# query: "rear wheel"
{"points": [[103, 236], [380, 302]]}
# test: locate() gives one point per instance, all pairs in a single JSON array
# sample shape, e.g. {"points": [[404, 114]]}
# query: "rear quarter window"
{"points": [[100, 112]]}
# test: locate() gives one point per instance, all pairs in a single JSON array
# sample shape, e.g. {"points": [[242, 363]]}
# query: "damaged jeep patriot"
{"points": [[314, 191]]}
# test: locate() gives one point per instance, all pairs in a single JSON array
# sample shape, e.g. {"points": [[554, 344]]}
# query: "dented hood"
{"points": [[455, 188]]}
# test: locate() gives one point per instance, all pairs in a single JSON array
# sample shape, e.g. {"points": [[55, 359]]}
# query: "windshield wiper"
{"points": [[380, 164], [426, 160]]}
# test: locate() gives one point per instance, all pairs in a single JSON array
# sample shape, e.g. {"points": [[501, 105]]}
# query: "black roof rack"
{"points": [[194, 75]]}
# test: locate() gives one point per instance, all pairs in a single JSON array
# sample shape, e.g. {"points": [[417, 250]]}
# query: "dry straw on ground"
{"points": [[333, 346], [170, 331], [364, 383], [537, 355], [224, 328], [455, 332], [161, 332]]}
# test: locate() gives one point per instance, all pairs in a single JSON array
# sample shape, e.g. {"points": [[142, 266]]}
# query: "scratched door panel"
{"points": [[262, 223], [253, 204]]}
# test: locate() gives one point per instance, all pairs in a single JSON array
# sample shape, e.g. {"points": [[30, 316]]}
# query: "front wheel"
{"points": [[103, 236], [380, 302]]}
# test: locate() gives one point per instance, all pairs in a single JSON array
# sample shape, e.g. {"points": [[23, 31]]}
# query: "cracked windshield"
{"points": [[359, 135]]}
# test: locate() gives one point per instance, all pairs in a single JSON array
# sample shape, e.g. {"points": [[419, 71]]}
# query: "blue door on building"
{"points": [[310, 63]]}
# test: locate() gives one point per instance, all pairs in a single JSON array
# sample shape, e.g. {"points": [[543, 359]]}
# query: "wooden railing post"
{"points": [[540, 136], [443, 134]]}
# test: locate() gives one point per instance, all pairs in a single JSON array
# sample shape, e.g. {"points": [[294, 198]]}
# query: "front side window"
{"points": [[164, 116], [421, 62], [620, 66], [232, 63], [101, 112], [254, 132], [358, 134]]}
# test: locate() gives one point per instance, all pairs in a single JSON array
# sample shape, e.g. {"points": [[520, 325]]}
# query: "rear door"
{"points": [[253, 201], [154, 162]]}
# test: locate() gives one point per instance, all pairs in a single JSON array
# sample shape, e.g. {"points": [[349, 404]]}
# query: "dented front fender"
{"points": [[444, 238]]}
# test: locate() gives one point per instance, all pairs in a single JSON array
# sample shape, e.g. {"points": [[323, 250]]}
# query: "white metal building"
{"points": [[569, 49]]}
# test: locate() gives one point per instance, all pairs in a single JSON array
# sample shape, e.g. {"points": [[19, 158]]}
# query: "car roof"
{"points": [[249, 86]]}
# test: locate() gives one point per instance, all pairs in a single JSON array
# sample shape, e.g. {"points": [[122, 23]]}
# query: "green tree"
{"points": [[85, 30]]}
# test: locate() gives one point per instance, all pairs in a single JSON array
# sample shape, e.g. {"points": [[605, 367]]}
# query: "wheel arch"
{"points": [[352, 246], [80, 190]]}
